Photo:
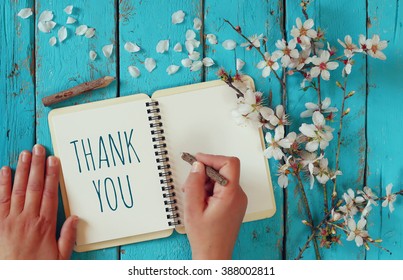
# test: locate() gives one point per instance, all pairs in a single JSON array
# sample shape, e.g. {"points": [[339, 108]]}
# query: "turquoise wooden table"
{"points": [[371, 152]]}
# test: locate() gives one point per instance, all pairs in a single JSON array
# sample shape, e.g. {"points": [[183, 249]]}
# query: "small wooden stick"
{"points": [[211, 172], [77, 90]]}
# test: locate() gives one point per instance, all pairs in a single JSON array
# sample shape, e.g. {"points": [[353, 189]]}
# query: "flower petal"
{"points": [[46, 26], [178, 47], [239, 64], [93, 55], [212, 39], [70, 20], [307, 130], [172, 69], [150, 64], [318, 119], [62, 34], [131, 47], [81, 30], [178, 17], [162, 46], [134, 71], [207, 61], [190, 35], [187, 62], [197, 24], [25, 13], [196, 66], [332, 65], [229, 44], [189, 46], [52, 41], [69, 9], [107, 50], [46, 16], [194, 55], [90, 32]]}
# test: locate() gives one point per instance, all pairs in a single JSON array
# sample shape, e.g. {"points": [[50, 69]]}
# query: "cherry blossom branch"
{"points": [[304, 6], [325, 202], [306, 245], [238, 30], [308, 211]]}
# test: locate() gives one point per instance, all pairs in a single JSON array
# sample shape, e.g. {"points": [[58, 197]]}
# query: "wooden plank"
{"points": [[385, 97], [17, 98], [67, 64], [337, 21], [146, 23], [259, 239]]}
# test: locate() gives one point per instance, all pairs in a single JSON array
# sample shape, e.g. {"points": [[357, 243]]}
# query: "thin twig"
{"points": [[325, 202]]}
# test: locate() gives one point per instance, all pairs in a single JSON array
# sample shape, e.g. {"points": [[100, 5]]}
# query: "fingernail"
{"points": [[25, 156], [5, 171], [39, 150], [196, 167], [52, 161]]}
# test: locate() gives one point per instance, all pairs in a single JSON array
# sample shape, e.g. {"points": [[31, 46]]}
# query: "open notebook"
{"points": [[122, 167]]}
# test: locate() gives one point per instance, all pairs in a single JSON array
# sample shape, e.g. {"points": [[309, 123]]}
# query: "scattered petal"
{"points": [[162, 46], [46, 16], [90, 32], [70, 20], [134, 71], [212, 39], [172, 69], [190, 35], [178, 17], [178, 47], [93, 55], [131, 47], [107, 50], [46, 26], [197, 24], [25, 13], [81, 30], [207, 61], [239, 64], [194, 55], [62, 34], [150, 64], [52, 41], [187, 62], [229, 44], [189, 46], [196, 66], [69, 9]]}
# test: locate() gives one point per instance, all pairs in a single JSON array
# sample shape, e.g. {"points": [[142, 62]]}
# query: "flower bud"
{"points": [[346, 112], [339, 84], [306, 223], [351, 93]]}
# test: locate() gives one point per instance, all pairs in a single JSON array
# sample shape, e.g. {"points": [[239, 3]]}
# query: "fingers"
{"points": [[35, 181], [229, 167], [195, 193], [5, 191], [49, 199], [20, 183], [67, 239]]}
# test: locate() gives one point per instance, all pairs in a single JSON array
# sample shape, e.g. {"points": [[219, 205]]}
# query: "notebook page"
{"points": [[199, 120], [109, 169]]}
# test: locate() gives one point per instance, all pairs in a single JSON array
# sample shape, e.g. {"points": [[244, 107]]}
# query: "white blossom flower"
{"points": [[131, 47], [70, 20], [375, 47], [319, 133], [357, 231], [308, 160], [90, 32], [107, 50], [196, 65], [283, 172], [69, 9], [239, 64], [249, 109], [93, 55], [302, 60], [335, 216], [286, 51], [52, 41], [368, 195], [172, 69], [62, 34], [25, 13], [268, 64], [212, 39], [312, 107], [367, 209], [323, 65], [197, 24], [278, 120], [229, 44], [80, 30], [349, 47], [134, 71], [390, 198], [322, 171], [304, 32], [255, 40], [186, 62], [275, 144], [150, 64], [162, 46], [178, 17], [178, 47], [207, 61], [348, 64]]}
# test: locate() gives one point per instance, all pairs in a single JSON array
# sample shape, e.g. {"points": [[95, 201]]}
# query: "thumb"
{"points": [[67, 238], [195, 194]]}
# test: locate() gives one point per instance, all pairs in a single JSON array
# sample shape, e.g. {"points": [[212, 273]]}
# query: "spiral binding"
{"points": [[161, 154]]}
